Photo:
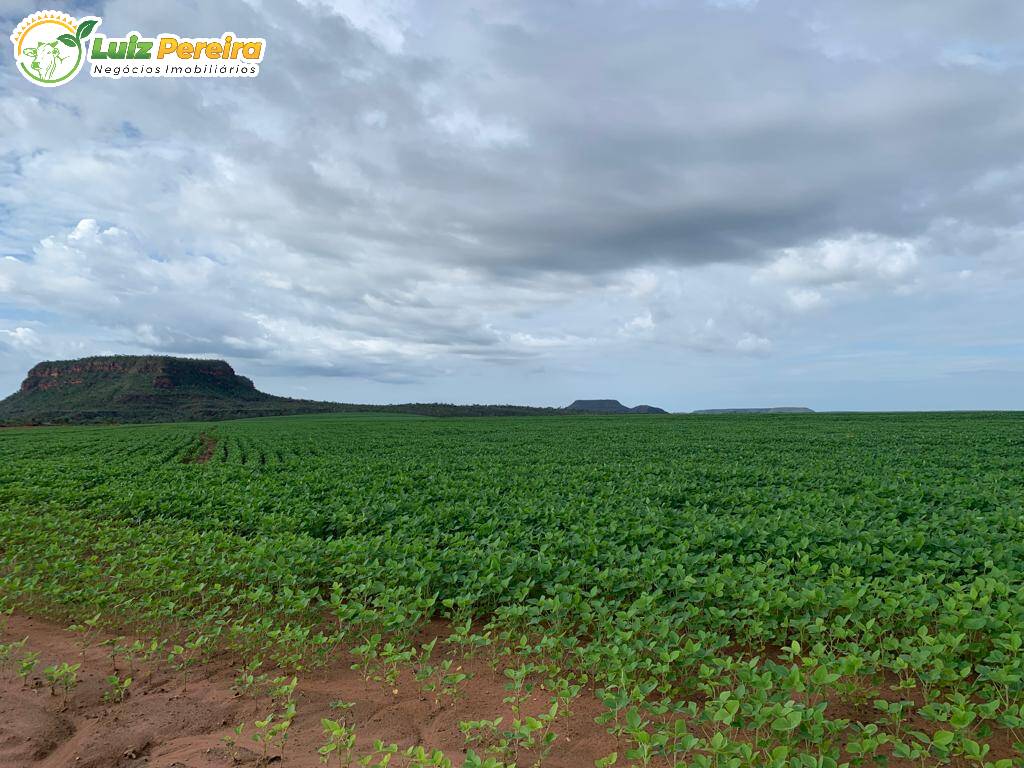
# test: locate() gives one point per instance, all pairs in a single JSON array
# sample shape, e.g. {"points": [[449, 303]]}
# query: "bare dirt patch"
{"points": [[165, 724], [206, 450]]}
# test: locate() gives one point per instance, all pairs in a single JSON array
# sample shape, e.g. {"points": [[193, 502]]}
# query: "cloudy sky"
{"points": [[694, 204]]}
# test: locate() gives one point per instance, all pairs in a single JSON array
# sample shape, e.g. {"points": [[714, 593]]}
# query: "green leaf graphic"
{"points": [[68, 40], [85, 28]]}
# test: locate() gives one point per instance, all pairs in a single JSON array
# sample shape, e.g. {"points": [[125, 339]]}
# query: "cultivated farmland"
{"points": [[726, 591]]}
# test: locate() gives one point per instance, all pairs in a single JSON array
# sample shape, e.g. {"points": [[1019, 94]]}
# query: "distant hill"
{"points": [[610, 406], [646, 409], [714, 411]]}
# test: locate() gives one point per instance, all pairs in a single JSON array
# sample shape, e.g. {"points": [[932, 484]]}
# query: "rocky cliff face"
{"points": [[163, 373]]}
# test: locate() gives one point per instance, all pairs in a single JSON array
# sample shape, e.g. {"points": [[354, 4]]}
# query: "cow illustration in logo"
{"points": [[49, 46], [45, 58]]}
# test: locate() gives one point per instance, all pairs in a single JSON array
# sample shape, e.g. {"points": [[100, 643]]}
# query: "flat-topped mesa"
{"points": [[609, 406], [162, 373]]}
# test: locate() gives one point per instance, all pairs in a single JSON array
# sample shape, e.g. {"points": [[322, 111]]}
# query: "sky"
{"points": [[711, 203]]}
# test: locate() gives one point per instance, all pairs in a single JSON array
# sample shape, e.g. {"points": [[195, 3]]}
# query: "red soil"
{"points": [[165, 724], [206, 450]]}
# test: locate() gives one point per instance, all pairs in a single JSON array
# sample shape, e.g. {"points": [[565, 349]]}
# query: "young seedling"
{"points": [[117, 689], [7, 651], [273, 730], [87, 631], [27, 665], [63, 676], [380, 756], [340, 743], [184, 657], [282, 689], [483, 733], [439, 679], [342, 706], [248, 678], [232, 740], [380, 660]]}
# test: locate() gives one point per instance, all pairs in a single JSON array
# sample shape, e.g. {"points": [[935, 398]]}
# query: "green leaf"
{"points": [[68, 40], [943, 738], [85, 28]]}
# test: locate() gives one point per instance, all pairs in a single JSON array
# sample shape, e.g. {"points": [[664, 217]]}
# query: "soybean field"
{"points": [[723, 591]]}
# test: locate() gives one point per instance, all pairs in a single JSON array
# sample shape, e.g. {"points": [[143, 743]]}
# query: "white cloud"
{"points": [[804, 299], [855, 260], [469, 128], [20, 338], [972, 59], [639, 324], [751, 343]]}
